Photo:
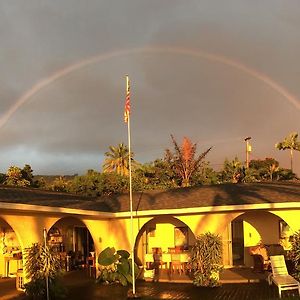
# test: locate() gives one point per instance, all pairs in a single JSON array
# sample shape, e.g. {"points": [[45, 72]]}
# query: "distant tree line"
{"points": [[180, 167]]}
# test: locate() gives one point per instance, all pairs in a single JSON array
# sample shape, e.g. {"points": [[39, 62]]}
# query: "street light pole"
{"points": [[248, 150]]}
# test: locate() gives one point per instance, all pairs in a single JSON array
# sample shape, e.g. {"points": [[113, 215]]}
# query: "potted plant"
{"points": [[206, 260]]}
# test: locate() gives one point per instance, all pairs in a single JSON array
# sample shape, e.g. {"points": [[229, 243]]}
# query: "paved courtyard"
{"points": [[82, 287]]}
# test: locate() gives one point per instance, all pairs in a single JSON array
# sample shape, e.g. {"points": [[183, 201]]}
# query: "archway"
{"points": [[252, 229], [166, 233], [10, 251], [73, 241]]}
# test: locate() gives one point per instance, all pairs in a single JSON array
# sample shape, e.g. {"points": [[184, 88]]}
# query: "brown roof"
{"points": [[202, 196]]}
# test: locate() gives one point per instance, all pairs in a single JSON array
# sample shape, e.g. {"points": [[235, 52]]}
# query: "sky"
{"points": [[214, 71]]}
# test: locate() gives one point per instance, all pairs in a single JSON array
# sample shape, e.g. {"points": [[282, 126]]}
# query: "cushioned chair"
{"points": [[260, 257]]}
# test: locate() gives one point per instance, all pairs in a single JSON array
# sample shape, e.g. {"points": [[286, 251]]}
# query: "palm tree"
{"points": [[273, 168], [184, 160], [290, 142], [117, 160], [232, 171]]}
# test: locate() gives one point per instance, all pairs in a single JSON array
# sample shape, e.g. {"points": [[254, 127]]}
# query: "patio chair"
{"points": [[280, 275], [176, 264], [260, 257]]}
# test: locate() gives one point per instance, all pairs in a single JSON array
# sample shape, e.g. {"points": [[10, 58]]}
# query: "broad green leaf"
{"points": [[123, 267], [123, 253], [107, 257]]}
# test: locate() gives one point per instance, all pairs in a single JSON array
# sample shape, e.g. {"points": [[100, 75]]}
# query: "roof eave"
{"points": [[54, 209], [145, 213]]}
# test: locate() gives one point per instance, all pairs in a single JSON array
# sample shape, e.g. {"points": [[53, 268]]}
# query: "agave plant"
{"points": [[115, 266]]}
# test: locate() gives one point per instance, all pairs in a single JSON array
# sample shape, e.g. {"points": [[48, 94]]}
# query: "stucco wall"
{"points": [[116, 232]]}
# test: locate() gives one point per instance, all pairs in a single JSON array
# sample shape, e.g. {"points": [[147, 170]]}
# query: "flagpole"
{"points": [[46, 277], [130, 195]]}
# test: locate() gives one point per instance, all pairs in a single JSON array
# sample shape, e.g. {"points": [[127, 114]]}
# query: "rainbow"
{"points": [[292, 100]]}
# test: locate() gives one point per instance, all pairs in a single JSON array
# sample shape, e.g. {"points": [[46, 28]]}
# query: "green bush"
{"points": [[36, 289], [206, 260], [295, 253], [41, 263], [115, 266]]}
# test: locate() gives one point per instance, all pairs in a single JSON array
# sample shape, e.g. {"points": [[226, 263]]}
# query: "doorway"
{"points": [[237, 236], [83, 241]]}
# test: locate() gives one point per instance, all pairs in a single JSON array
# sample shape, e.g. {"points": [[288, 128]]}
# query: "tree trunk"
{"points": [[291, 159]]}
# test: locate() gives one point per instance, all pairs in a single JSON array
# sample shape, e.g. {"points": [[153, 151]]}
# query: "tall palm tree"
{"points": [[117, 160], [290, 142]]}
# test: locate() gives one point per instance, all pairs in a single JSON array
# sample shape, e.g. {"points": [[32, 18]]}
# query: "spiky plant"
{"points": [[42, 262], [206, 259], [295, 253]]}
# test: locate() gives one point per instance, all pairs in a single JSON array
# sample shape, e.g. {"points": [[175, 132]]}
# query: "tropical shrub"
{"points": [[115, 266], [14, 177], [184, 161], [42, 262], [205, 175], [36, 289], [96, 184], [206, 260], [295, 253], [233, 171], [2, 178], [285, 174]]}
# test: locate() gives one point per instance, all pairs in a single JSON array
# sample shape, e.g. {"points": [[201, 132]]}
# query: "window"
{"points": [[284, 230], [151, 232], [181, 237]]}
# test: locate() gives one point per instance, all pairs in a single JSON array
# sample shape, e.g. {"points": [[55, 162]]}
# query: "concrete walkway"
{"points": [[232, 275], [8, 289], [82, 287]]}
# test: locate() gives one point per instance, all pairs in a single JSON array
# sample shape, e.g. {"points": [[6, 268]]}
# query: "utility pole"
{"points": [[248, 150]]}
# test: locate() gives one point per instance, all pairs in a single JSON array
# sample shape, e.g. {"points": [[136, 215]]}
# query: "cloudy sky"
{"points": [[214, 71]]}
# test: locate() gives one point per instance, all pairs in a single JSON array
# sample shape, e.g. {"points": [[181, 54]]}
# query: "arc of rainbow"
{"points": [[159, 49]]}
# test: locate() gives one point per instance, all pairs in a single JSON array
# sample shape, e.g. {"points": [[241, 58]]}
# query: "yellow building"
{"points": [[245, 215]]}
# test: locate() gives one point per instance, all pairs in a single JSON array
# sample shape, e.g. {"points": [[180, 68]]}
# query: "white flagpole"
{"points": [[46, 277], [130, 195]]}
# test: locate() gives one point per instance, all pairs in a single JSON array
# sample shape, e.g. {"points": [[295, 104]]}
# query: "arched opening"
{"points": [[10, 251], [165, 234], [72, 240], [255, 230]]}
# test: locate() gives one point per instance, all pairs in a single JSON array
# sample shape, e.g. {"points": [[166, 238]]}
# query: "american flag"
{"points": [[127, 101]]}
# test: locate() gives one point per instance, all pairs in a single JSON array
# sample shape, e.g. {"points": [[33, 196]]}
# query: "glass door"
{"points": [[237, 232]]}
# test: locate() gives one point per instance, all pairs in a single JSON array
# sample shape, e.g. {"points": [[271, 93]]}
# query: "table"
{"points": [[7, 259], [167, 258]]}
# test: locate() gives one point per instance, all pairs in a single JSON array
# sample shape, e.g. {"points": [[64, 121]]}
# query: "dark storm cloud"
{"points": [[68, 125]]}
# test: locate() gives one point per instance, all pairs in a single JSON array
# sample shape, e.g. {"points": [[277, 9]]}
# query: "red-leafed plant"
{"points": [[184, 161]]}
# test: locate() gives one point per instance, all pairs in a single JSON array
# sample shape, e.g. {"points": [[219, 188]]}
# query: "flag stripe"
{"points": [[127, 102]]}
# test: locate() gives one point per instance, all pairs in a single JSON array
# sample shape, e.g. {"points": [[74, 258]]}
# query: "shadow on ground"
{"points": [[82, 287]]}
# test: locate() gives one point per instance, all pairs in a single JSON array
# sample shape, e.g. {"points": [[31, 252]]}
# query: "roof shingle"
{"points": [[202, 196]]}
